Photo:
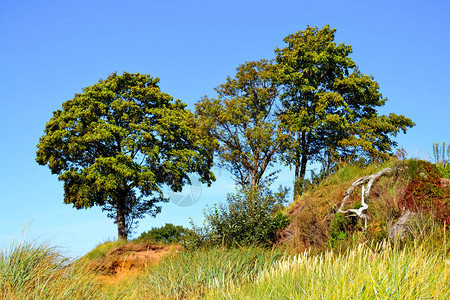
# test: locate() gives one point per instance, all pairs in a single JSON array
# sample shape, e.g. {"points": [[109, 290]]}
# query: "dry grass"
{"points": [[382, 272], [315, 210]]}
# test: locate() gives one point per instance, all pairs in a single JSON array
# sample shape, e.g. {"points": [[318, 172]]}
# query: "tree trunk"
{"points": [[255, 182], [296, 182], [300, 167], [297, 170], [303, 166], [120, 219]]}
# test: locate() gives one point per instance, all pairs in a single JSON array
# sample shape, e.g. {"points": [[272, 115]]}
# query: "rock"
{"points": [[400, 229], [444, 182]]}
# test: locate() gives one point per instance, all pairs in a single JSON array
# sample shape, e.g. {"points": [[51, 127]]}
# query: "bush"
{"points": [[166, 234], [251, 217]]}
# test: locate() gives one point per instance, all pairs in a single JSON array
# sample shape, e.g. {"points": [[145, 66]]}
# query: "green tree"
{"points": [[244, 121], [329, 106], [166, 234], [118, 143]]}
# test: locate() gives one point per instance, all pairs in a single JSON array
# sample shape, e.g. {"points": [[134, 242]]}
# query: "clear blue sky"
{"points": [[50, 50]]}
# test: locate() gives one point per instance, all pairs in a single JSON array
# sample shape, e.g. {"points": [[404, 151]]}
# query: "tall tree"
{"points": [[116, 145], [243, 119], [329, 106]]}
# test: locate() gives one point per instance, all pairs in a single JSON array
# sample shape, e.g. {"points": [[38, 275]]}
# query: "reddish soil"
{"points": [[129, 259]]}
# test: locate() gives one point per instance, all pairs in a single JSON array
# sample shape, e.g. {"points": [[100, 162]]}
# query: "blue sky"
{"points": [[50, 50]]}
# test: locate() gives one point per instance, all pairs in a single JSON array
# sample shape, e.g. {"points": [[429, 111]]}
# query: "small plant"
{"points": [[339, 228], [442, 158]]}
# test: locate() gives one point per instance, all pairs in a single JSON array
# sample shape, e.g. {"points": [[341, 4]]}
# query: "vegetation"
{"points": [[120, 141], [361, 273], [116, 144], [166, 234], [415, 270], [442, 158], [312, 104], [329, 105], [193, 274], [244, 120], [102, 249], [250, 217], [30, 271], [425, 192]]}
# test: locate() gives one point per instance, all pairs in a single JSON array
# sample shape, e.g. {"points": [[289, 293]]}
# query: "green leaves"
{"points": [[329, 106], [119, 142], [243, 120]]}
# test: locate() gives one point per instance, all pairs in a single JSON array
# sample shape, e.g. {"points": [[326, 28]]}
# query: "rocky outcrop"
{"points": [[400, 230]]}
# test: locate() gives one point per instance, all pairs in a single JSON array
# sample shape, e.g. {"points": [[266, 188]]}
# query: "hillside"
{"points": [[322, 253], [412, 189]]}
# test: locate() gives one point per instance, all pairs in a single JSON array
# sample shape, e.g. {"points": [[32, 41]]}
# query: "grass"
{"points": [[360, 273], [352, 269], [419, 269], [30, 271], [102, 249], [192, 274]]}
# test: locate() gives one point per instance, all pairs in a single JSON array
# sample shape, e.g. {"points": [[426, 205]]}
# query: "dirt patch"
{"points": [[129, 259]]}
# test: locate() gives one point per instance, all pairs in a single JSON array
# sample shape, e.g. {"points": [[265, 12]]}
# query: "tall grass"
{"points": [[102, 249], [360, 273], [30, 271], [442, 158], [192, 274]]}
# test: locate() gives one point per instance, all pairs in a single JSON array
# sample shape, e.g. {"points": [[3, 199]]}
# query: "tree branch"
{"points": [[365, 193]]}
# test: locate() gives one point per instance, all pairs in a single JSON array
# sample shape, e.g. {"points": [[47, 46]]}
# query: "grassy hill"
{"points": [[321, 254]]}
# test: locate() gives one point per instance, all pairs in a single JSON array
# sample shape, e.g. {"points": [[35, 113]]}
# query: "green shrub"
{"points": [[250, 217], [166, 234], [340, 226]]}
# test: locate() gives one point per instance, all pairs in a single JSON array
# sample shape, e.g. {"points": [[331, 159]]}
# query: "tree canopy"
{"points": [[243, 120], [312, 104], [118, 143], [329, 106]]}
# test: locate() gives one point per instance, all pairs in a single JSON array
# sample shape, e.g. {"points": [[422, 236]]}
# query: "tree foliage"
{"points": [[250, 217], [167, 234], [329, 105], [243, 119], [116, 144]]}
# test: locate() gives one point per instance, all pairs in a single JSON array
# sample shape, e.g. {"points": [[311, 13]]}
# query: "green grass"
{"points": [[413, 272], [414, 269], [102, 249], [30, 271], [192, 274]]}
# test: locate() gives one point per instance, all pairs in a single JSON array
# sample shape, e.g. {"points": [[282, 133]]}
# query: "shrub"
{"points": [[166, 234], [339, 227], [425, 193], [250, 217]]}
